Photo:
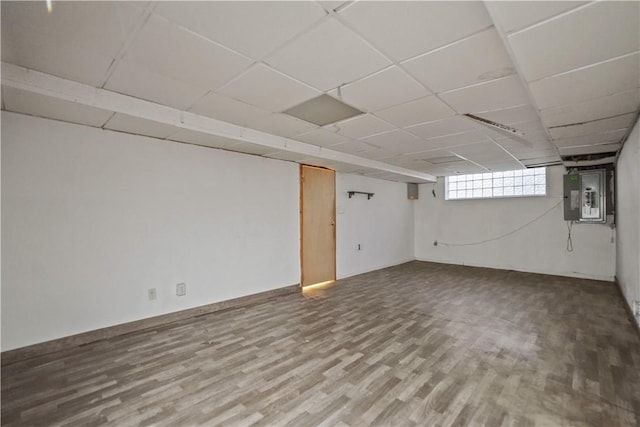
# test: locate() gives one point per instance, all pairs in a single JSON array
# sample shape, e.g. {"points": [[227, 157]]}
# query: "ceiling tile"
{"points": [[450, 141], [592, 139], [78, 41], [511, 116], [34, 104], [464, 63], [375, 153], [138, 126], [201, 138], [266, 88], [361, 126], [352, 147], [414, 112], [600, 31], [226, 109], [322, 137], [281, 124], [496, 94], [133, 80], [396, 141], [192, 59], [593, 109], [328, 56], [590, 149], [381, 90], [406, 29], [443, 127], [597, 126], [516, 15], [254, 28], [581, 85]]}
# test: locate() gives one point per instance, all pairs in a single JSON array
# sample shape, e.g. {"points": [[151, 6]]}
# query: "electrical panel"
{"points": [[585, 196]]}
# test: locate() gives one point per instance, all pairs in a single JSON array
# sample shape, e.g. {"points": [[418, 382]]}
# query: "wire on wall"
{"points": [[503, 235], [569, 240]]}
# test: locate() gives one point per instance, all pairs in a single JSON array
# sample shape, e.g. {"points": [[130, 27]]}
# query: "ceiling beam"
{"points": [[79, 93]]}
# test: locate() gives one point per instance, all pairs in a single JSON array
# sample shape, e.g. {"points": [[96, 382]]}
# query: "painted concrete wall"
{"points": [[382, 225], [92, 219], [539, 247], [628, 218]]}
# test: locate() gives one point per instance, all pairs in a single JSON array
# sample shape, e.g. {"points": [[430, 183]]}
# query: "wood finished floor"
{"points": [[417, 344]]}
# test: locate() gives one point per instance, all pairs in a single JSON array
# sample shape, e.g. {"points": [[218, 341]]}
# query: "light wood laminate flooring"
{"points": [[416, 344]]}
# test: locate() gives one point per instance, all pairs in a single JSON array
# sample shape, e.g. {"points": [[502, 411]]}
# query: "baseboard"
{"points": [[628, 307], [35, 350], [524, 270], [374, 268]]}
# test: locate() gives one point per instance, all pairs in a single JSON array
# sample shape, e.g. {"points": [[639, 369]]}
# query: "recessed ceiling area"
{"points": [[395, 79]]}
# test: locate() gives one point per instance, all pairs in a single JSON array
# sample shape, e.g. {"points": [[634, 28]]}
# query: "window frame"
{"points": [[482, 177]]}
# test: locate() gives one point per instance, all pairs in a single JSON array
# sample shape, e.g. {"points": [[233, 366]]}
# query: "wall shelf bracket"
{"points": [[352, 193]]}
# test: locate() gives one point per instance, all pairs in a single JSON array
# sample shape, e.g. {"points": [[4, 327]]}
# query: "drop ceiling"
{"points": [[564, 74]]}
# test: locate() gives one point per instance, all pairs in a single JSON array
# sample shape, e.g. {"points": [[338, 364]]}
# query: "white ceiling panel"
{"points": [[593, 82], [352, 147], [590, 149], [179, 54], [77, 41], [281, 124], [511, 116], [443, 127], [406, 29], [594, 127], [504, 165], [592, 139], [381, 90], [322, 137], [600, 31], [229, 110], [467, 62], [254, 28], [138, 126], [361, 126], [266, 88], [201, 138], [496, 94], [516, 15], [34, 104], [375, 153], [450, 141], [414, 112], [593, 109], [328, 56], [396, 141], [133, 80]]}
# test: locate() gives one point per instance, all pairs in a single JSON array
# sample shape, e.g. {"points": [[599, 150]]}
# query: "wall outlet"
{"points": [[359, 247], [152, 294], [181, 289]]}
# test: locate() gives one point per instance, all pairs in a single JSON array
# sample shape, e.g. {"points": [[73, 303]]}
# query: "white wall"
{"points": [[91, 219], [538, 248], [628, 217], [383, 225]]}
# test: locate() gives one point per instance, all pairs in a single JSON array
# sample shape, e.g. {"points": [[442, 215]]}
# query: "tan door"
{"points": [[317, 225]]}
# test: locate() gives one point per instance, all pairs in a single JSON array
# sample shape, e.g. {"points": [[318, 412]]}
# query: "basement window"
{"points": [[517, 183]]}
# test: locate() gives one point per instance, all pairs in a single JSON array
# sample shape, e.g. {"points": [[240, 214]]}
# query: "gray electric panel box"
{"points": [[585, 196], [572, 197]]}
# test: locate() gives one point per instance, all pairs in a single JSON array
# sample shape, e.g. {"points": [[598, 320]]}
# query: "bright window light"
{"points": [[518, 183]]}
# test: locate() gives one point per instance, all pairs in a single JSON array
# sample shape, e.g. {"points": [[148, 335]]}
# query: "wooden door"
{"points": [[317, 225]]}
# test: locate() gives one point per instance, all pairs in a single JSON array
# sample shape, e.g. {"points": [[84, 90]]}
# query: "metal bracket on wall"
{"points": [[351, 193]]}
